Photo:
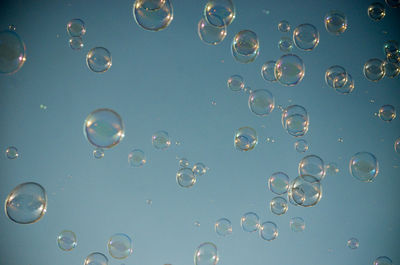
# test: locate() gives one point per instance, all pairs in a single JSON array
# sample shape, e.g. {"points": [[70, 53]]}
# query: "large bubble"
{"points": [[289, 69], [245, 46], [96, 258], [374, 69], [383, 260], [219, 13], [306, 190], [206, 254], [99, 59], [312, 165], [261, 102], [278, 183], [210, 34], [306, 37], [120, 246], [364, 166], [245, 139], [393, 4], [295, 120], [153, 15], [335, 22], [268, 231], [12, 52]]}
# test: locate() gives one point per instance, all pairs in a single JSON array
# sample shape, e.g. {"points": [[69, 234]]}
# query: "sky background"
{"points": [[168, 80]]}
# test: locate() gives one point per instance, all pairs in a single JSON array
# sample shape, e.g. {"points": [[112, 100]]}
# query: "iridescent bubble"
{"points": [[295, 120], [235, 83], [245, 139], [96, 258], [289, 69], [120, 246], [297, 224], [387, 113], [250, 222], [136, 158], [397, 145], [301, 145], [278, 183], [98, 153], [76, 27], [26, 203], [393, 4], [312, 165], [268, 71], [391, 69], [219, 13], [199, 169], [335, 22], [12, 52], [374, 69], [336, 77], [353, 243], [261, 102], [268, 231], [306, 190], [161, 140], [278, 205], [383, 260], [185, 178], [331, 169], [284, 26], [153, 19], [99, 59], [223, 227], [306, 37], [376, 11], [183, 162], [245, 46], [66, 240], [76, 43], [347, 88], [285, 44], [364, 166], [206, 254], [104, 128], [210, 34], [12, 152]]}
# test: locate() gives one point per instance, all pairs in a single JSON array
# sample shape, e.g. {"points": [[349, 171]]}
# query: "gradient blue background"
{"points": [[166, 81]]}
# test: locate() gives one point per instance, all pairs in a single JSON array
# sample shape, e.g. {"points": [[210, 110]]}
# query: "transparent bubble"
{"points": [[285, 44], [268, 71], [393, 57], [210, 34], [149, 201], [306, 190], [391, 69], [12, 152], [331, 169], [235, 83], [99, 59], [306, 37], [335, 22], [197, 223], [223, 227], [278, 183], [289, 69], [12, 27], [376, 11], [390, 46], [26, 203], [136, 158], [183, 162], [250, 222], [120, 246], [161, 140], [245, 139], [96, 258], [151, 5], [206, 254], [295, 120], [284, 26], [300, 196], [392, 4], [98, 153], [347, 88], [103, 128], [199, 169], [301, 145], [278, 205], [153, 19], [383, 260], [245, 46], [268, 231], [76, 43], [397, 145], [353, 243], [336, 77], [312, 165], [185, 178], [297, 224], [261, 102], [76, 27], [387, 113], [219, 13], [66, 240], [374, 69], [12, 52], [364, 166]]}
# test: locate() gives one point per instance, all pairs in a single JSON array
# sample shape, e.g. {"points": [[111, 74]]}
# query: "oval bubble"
{"points": [[12, 52], [306, 37], [223, 227], [268, 231], [364, 166], [268, 71], [335, 22], [374, 69], [66, 240], [289, 70], [99, 59], [261, 102], [185, 178], [98, 153], [250, 222], [312, 165], [219, 13], [278, 183], [306, 190], [153, 19], [295, 120], [210, 34], [120, 246], [245, 139], [278, 205], [387, 113], [76, 27], [245, 46]]}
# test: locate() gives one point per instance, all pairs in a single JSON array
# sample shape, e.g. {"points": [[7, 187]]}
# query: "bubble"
{"points": [[245, 46], [393, 57], [331, 169], [295, 120], [268, 71], [250, 222], [76, 27], [306, 37], [103, 128], [383, 260], [278, 183], [219, 13], [392, 4], [98, 153], [96, 258], [183, 162], [185, 178], [151, 5], [347, 88], [66, 240], [306, 190], [289, 69], [136, 158], [206, 254], [335, 22], [374, 69], [364, 166], [336, 77], [12, 52], [353, 243], [26, 203], [245, 139], [210, 34], [278, 205], [391, 69], [197, 223], [261, 102], [376, 11], [223, 227], [120, 246], [12, 152], [301, 145], [268, 231], [387, 113], [199, 169], [99, 60], [390, 46], [300, 196], [285, 44], [149, 201], [297, 224], [312, 165], [235, 83], [153, 19], [76, 43], [284, 26], [397, 146], [12, 27], [161, 140]]}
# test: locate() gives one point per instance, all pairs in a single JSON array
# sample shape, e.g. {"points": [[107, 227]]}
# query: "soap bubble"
{"points": [[96, 258], [301, 145], [223, 227], [199, 169], [312, 165], [297, 224], [261, 102], [185, 178], [353, 243], [219, 13], [76, 43], [268, 231], [99, 59], [335, 22], [183, 162], [12, 52], [336, 76], [235, 83], [390, 46], [306, 190], [153, 19], [387, 113], [278, 183], [295, 120], [374, 69], [306, 37], [268, 71], [391, 69], [392, 4], [250, 222], [161, 140], [98, 153], [76, 27], [383, 260], [120, 246], [66, 240], [376, 11], [12, 152], [245, 139], [206, 254], [299, 195], [289, 69], [283, 26], [347, 88], [364, 166], [285, 44], [210, 34], [136, 158], [331, 169], [397, 146], [245, 46], [103, 128], [26, 203], [278, 205]]}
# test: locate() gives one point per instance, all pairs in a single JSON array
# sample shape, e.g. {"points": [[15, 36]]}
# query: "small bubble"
{"points": [[213, 103], [340, 140], [44, 107], [149, 202], [177, 143], [353, 243], [265, 11], [11, 27], [12, 152], [197, 223], [372, 101]]}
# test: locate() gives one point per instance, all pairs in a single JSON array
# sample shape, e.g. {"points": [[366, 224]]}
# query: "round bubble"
{"points": [[26, 203], [376, 11], [185, 178], [245, 46], [96, 258], [76, 27], [364, 166], [245, 139], [374, 69], [390, 46], [235, 83], [183, 162], [383, 260], [199, 169], [120, 246], [153, 19], [306, 37], [306, 190], [387, 113], [278, 205], [393, 4], [295, 120], [284, 26], [300, 196], [12, 152], [391, 69], [161, 140], [336, 76], [335, 22], [104, 128], [289, 69], [12, 52], [210, 34], [66, 240], [250, 222], [76, 43], [219, 13], [353, 243], [312, 165], [331, 169], [206, 254], [261, 102], [347, 88], [297, 224], [223, 227], [136, 158], [98, 153], [397, 145], [99, 60], [278, 183], [268, 71], [301, 145], [285, 44], [268, 231]]}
